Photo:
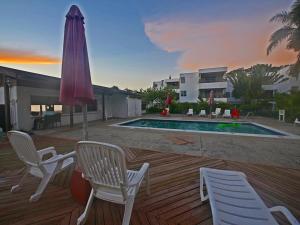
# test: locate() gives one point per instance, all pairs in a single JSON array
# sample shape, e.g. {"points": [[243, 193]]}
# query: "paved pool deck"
{"points": [[283, 152]]}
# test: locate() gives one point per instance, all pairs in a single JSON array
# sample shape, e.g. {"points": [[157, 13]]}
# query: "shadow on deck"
{"points": [[174, 195]]}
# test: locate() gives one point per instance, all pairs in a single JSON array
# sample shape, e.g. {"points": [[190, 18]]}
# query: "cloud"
{"points": [[224, 43], [13, 56]]}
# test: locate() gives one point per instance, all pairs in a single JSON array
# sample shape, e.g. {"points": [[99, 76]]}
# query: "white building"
{"points": [[170, 82], [192, 86], [285, 85], [24, 94]]}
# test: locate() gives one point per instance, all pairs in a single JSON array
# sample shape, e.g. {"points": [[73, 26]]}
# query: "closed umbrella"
{"points": [[211, 101], [76, 86]]}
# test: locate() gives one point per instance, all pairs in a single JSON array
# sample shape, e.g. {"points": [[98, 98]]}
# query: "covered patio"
{"points": [[174, 195]]}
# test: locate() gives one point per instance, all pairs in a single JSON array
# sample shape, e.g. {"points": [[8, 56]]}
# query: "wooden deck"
{"points": [[174, 195]]}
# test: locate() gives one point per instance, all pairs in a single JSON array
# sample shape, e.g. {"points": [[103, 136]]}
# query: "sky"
{"points": [[132, 43]]}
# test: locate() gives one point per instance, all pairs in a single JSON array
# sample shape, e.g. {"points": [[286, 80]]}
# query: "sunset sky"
{"points": [[134, 42]]}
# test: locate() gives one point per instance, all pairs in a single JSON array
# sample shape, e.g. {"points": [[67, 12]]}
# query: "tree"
{"points": [[247, 84], [239, 80], [261, 74], [155, 96], [290, 31]]}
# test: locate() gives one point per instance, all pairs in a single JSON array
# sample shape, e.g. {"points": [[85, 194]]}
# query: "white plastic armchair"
{"points": [[104, 166], [202, 112], [217, 112], [35, 165], [227, 113], [190, 112]]}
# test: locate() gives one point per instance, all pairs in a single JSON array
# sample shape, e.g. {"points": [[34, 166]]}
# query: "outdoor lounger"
{"points": [[234, 201]]}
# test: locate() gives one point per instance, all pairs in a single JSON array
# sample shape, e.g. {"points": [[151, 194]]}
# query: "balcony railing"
{"points": [[213, 80]]}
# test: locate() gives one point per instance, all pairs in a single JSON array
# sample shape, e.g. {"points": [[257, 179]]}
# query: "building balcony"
{"points": [[213, 85]]}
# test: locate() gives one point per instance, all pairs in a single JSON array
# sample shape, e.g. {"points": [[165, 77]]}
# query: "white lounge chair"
{"points": [[226, 113], [190, 112], [217, 112], [104, 166], [234, 201], [35, 165], [202, 112]]}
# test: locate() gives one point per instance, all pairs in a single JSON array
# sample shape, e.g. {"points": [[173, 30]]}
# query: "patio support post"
{"points": [[85, 122], [103, 107], [7, 104], [71, 116]]}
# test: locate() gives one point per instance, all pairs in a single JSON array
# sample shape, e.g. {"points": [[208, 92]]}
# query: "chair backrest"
{"points": [[190, 111], [24, 147], [202, 112], [218, 110], [104, 166]]}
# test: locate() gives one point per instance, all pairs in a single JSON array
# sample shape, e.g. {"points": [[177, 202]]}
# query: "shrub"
{"points": [[290, 103], [153, 109]]}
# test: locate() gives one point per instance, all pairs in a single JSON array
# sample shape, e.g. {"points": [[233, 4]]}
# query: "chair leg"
{"points": [[41, 188], [148, 182], [81, 220], [20, 184], [203, 197], [128, 210]]}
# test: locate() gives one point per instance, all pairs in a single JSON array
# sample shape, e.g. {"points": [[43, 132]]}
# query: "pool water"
{"points": [[226, 127]]}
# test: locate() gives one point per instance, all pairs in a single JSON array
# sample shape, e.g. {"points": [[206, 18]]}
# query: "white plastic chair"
{"points": [[227, 113], [202, 112], [104, 166], [35, 165], [217, 112], [234, 201], [190, 112], [281, 115], [296, 122]]}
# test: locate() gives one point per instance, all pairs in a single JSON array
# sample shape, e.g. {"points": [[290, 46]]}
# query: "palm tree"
{"points": [[290, 31]]}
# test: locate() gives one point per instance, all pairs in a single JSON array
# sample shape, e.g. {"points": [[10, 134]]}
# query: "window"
{"points": [[78, 109], [182, 80], [92, 106], [183, 93]]}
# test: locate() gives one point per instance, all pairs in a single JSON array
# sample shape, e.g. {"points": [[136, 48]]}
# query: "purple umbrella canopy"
{"points": [[76, 86]]}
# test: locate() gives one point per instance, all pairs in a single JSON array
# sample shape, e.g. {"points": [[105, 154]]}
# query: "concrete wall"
{"points": [[134, 107], [119, 106], [2, 101], [190, 86]]}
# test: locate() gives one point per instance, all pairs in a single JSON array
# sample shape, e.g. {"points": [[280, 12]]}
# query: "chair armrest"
{"points": [[286, 213], [45, 151], [137, 179], [59, 158]]}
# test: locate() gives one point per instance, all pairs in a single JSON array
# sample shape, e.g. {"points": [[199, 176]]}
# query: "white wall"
{"points": [[134, 107], [2, 101], [119, 106], [190, 86]]}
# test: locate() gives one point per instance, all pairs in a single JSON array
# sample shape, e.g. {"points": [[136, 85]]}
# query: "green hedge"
{"points": [[182, 108]]}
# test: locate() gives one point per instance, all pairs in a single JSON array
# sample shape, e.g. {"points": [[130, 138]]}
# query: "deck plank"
{"points": [[174, 195]]}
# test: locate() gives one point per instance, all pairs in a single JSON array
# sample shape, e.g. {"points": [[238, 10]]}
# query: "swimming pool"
{"points": [[239, 128]]}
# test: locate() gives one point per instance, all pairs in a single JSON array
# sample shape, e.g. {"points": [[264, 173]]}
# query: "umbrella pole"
{"points": [[85, 123]]}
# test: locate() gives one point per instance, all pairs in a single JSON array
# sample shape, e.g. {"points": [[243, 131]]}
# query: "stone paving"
{"points": [[272, 151]]}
